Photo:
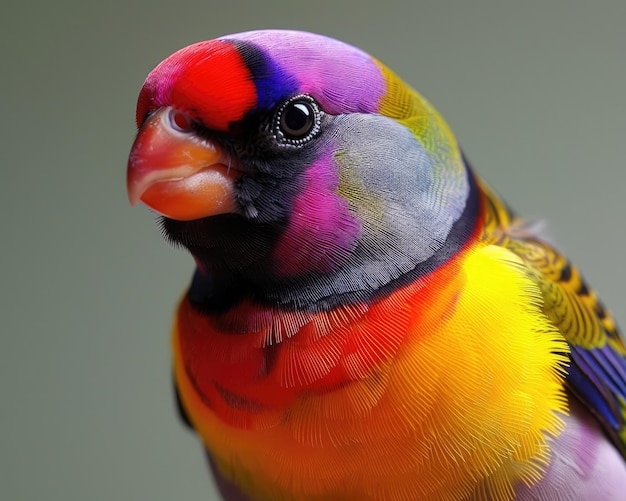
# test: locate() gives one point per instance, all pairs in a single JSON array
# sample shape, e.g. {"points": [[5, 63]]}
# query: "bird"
{"points": [[367, 319]]}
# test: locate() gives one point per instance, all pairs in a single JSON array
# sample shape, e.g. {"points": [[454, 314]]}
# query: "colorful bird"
{"points": [[367, 319]]}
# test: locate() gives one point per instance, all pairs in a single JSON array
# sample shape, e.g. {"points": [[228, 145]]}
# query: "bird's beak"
{"points": [[177, 173]]}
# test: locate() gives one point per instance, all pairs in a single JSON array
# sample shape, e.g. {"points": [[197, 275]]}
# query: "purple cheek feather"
{"points": [[322, 232]]}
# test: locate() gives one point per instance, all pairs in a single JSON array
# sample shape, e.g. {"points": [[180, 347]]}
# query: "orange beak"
{"points": [[177, 173]]}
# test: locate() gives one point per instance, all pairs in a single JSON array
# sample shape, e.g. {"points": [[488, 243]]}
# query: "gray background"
{"points": [[533, 90]]}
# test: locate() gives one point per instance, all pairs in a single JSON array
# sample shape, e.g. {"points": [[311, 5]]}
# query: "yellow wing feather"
{"points": [[569, 302]]}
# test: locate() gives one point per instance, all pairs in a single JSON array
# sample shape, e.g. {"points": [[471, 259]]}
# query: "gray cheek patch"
{"points": [[406, 199]]}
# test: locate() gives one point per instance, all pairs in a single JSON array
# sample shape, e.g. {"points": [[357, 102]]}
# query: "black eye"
{"points": [[298, 120]]}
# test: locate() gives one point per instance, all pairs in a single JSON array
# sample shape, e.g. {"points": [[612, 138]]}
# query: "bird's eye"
{"points": [[298, 120]]}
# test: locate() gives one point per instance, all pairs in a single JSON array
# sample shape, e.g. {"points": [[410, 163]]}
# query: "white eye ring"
{"points": [[298, 120]]}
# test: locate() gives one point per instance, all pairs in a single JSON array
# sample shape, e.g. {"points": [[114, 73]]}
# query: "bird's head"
{"points": [[294, 167]]}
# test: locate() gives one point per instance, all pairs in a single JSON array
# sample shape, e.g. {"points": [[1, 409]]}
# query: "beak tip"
{"points": [[133, 193]]}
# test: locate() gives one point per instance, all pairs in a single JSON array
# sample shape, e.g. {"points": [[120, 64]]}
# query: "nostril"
{"points": [[180, 121]]}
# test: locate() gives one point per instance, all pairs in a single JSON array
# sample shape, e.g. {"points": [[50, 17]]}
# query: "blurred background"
{"points": [[534, 91]]}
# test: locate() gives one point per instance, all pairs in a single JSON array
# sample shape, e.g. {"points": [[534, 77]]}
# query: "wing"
{"points": [[597, 372]]}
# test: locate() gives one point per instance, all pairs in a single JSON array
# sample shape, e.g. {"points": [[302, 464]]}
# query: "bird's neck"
{"points": [[217, 286]]}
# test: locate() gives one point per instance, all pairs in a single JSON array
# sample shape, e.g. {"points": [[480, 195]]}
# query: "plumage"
{"points": [[367, 319]]}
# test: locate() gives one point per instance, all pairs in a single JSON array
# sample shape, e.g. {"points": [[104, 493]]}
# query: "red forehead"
{"points": [[208, 80]]}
